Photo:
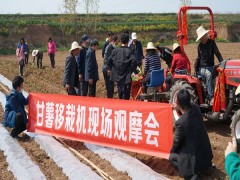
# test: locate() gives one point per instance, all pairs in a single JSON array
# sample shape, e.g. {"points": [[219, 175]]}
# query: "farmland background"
{"points": [[159, 28]]}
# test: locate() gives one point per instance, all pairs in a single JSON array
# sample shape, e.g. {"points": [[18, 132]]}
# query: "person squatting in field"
{"points": [[15, 115], [191, 151]]}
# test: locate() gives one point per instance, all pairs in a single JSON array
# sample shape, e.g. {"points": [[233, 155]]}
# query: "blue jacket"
{"points": [[15, 102], [91, 66], [81, 58], [25, 47]]}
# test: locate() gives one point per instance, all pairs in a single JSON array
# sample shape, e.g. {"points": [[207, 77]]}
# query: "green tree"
{"points": [[92, 17], [186, 2], [69, 19]]}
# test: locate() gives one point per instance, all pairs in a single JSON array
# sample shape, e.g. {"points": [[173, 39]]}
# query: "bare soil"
{"points": [[48, 80]]}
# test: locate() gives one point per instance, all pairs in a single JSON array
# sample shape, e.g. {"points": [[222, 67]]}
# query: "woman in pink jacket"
{"points": [[51, 51]]}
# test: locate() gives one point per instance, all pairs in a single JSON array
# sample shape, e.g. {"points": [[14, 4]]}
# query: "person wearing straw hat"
{"points": [[204, 64], [70, 75], [180, 63], [152, 62], [39, 54]]}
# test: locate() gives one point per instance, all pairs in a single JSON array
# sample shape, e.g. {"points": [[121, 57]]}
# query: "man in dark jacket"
{"points": [[137, 49], [166, 55], [81, 58], [70, 76], [106, 72], [107, 42], [204, 64], [191, 151], [91, 69], [15, 115], [122, 63]]}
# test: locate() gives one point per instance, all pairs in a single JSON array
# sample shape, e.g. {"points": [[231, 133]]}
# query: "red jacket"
{"points": [[180, 62]]}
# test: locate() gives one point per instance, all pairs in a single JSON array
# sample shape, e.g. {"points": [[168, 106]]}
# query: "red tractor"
{"points": [[227, 78]]}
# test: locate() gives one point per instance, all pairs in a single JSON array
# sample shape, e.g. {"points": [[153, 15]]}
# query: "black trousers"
{"points": [[174, 158], [51, 55], [92, 89], [84, 88], [21, 69], [39, 63], [20, 126], [109, 85], [26, 58], [124, 90], [72, 91]]}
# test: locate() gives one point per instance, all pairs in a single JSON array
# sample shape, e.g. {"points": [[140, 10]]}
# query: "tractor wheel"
{"points": [[235, 125], [178, 85]]}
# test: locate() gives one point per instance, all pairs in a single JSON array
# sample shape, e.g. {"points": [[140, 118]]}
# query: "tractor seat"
{"points": [[156, 78]]}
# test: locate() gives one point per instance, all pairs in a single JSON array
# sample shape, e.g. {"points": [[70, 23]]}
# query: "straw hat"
{"points": [[75, 46], [201, 32], [34, 53], [175, 46], [150, 46]]}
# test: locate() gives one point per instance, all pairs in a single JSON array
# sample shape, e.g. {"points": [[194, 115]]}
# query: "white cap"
{"points": [[201, 32], [134, 35]]}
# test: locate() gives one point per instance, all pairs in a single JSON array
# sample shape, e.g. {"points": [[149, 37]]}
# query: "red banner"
{"points": [[143, 127]]}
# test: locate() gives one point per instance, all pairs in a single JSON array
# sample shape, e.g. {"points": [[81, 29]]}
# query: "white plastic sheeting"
{"points": [[125, 163], [71, 166], [19, 163]]}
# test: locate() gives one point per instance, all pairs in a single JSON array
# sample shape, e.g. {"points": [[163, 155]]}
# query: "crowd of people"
{"points": [[191, 152]]}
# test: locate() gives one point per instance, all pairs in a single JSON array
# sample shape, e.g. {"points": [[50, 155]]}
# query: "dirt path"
{"points": [[48, 80]]}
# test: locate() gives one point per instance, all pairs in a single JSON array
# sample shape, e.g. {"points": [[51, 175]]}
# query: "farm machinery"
{"points": [[226, 105]]}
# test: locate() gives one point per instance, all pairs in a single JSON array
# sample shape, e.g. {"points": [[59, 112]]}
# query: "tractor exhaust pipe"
{"points": [[213, 116], [229, 109], [217, 116]]}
